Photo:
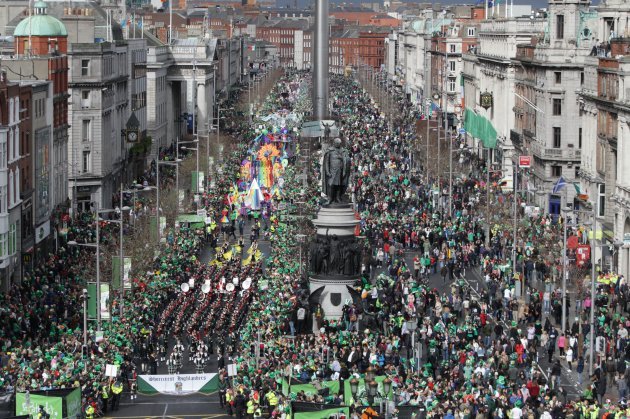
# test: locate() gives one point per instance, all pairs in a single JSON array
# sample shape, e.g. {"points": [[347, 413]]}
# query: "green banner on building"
{"points": [[479, 127]]}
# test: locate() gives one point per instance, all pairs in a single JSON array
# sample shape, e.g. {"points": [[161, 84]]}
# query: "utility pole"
{"points": [[591, 333], [98, 267], [515, 184]]}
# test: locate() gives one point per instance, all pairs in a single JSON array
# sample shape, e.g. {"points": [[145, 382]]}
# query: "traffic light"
{"points": [[84, 351], [600, 344]]}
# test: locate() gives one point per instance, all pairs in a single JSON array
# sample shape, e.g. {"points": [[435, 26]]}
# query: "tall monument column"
{"points": [[320, 62], [335, 253]]}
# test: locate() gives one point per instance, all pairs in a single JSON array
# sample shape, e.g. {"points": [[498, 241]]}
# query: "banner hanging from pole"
{"points": [[116, 272], [105, 302]]}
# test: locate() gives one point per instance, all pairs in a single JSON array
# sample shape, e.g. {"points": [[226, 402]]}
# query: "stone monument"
{"points": [[335, 254]]}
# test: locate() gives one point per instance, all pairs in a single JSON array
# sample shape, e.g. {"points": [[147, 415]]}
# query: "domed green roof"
{"points": [[40, 24]]}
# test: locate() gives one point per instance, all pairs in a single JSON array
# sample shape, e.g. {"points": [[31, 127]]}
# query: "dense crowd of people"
{"points": [[480, 349], [450, 349]]}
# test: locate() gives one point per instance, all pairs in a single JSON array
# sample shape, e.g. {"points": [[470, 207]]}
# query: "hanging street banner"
{"points": [[197, 181], [154, 227], [116, 272], [180, 384], [104, 303]]}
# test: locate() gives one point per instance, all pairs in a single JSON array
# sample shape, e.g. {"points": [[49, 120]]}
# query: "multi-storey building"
{"points": [[549, 73], [489, 69], [40, 53], [10, 121], [604, 109], [99, 88]]}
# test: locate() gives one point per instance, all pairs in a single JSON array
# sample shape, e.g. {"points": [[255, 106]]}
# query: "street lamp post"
{"points": [[98, 264], [196, 150], [436, 97], [85, 298], [412, 326], [426, 115], [591, 342], [450, 173], [564, 269], [515, 185]]}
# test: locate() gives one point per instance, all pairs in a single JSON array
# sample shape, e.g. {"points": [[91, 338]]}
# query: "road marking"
{"points": [[165, 409], [174, 403]]}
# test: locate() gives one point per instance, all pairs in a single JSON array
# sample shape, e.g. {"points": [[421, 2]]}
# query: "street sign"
{"points": [[524, 162], [462, 131], [232, 370]]}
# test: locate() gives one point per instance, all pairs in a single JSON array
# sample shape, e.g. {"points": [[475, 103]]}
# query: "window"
{"points": [[556, 171], [12, 239], [557, 107], [86, 162], [557, 137], [471, 31], [577, 172], [452, 48], [600, 157], [16, 143], [10, 144], [12, 191], [451, 84], [86, 133], [85, 67], [451, 66], [85, 98], [580, 138], [560, 26], [3, 199], [3, 244], [582, 78], [3, 155], [557, 75], [601, 200]]}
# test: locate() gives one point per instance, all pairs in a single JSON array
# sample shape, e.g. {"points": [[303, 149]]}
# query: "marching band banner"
{"points": [[180, 384]]}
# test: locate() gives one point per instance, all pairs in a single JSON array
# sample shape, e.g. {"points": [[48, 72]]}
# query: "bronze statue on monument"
{"points": [[335, 173]]}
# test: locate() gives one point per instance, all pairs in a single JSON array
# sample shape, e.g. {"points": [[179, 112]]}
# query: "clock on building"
{"points": [[132, 136], [486, 100]]}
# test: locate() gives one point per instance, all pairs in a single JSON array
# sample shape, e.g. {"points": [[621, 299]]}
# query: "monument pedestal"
{"points": [[336, 224]]}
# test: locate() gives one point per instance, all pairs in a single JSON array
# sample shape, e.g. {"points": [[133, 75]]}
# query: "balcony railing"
{"points": [[513, 25], [567, 154]]}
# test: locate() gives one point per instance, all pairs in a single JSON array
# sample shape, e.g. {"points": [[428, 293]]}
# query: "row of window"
{"points": [[14, 110], [8, 242]]}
